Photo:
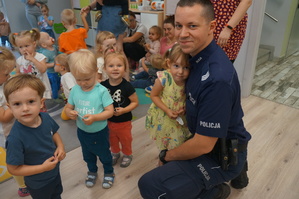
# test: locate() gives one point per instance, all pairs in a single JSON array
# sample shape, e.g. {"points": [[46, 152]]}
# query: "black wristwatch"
{"points": [[162, 156]]}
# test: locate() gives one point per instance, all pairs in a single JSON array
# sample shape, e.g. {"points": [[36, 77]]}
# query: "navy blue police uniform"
{"points": [[213, 109]]}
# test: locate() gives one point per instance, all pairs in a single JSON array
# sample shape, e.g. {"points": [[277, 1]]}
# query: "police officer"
{"points": [[217, 152]]}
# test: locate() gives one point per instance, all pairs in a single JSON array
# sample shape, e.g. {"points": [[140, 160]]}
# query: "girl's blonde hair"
{"points": [[118, 55], [68, 17], [32, 34], [100, 38], [21, 81], [157, 30], [6, 58], [82, 62], [63, 61], [174, 53]]}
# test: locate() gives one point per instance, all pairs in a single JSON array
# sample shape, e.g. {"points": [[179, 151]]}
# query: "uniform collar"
{"points": [[204, 54]]}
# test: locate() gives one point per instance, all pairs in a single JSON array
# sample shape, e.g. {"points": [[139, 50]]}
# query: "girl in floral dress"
{"points": [[166, 116]]}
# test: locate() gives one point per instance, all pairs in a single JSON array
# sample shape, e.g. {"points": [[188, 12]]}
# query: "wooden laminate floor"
{"points": [[273, 159]]}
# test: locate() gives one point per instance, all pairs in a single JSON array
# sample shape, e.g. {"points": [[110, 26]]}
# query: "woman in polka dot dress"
{"points": [[231, 18]]}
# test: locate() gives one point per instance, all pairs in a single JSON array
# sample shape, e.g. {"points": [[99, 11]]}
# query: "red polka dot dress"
{"points": [[224, 9]]}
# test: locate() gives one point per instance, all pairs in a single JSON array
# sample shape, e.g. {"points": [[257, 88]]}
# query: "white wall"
{"points": [[15, 11]]}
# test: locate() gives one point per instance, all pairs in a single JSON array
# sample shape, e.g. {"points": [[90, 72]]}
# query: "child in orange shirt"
{"points": [[74, 38]]}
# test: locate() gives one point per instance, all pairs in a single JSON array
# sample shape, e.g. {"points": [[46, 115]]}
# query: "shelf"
{"points": [[147, 11]]}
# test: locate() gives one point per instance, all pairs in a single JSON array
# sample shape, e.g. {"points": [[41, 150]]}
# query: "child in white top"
{"points": [[105, 41], [67, 79], [30, 61]]}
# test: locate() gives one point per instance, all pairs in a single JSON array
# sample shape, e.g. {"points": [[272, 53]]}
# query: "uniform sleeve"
{"points": [[215, 110]]}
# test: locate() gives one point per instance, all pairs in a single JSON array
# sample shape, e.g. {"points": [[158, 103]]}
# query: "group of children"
{"points": [[98, 97]]}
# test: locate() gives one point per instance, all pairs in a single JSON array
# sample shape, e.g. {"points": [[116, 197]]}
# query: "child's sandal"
{"points": [[91, 178], [115, 157], [108, 180], [126, 161]]}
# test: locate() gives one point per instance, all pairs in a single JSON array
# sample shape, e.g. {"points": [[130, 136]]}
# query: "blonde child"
{"points": [[45, 21], [124, 101], [34, 147], [74, 38], [7, 64], [105, 41], [30, 61], [166, 116], [67, 79], [153, 47], [91, 105], [49, 49]]}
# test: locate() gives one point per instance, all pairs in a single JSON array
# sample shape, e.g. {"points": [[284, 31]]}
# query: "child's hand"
{"points": [[45, 17], [118, 111], [28, 56], [100, 2], [83, 14], [88, 119], [39, 23], [147, 47], [50, 163], [172, 114], [59, 153], [73, 114]]}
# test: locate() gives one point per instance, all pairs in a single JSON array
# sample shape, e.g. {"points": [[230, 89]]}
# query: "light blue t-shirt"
{"points": [[44, 24], [50, 56], [91, 102]]}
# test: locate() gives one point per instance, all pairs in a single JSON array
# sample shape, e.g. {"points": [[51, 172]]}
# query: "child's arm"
{"points": [[50, 65], [59, 152], [155, 97], [88, 119], [70, 112], [5, 115], [40, 65], [134, 103], [144, 66], [28, 170], [83, 18], [49, 22]]}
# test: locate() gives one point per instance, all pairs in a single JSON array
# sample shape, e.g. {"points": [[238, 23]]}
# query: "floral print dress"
{"points": [[167, 132]]}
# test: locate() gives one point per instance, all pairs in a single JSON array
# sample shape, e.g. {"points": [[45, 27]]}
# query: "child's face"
{"points": [[179, 72], [46, 40], [5, 74], [108, 44], [25, 105], [45, 11], [58, 68], [115, 68], [86, 81], [152, 35], [25, 45]]}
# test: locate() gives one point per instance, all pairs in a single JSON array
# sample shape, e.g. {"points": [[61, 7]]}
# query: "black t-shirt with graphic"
{"points": [[120, 95]]}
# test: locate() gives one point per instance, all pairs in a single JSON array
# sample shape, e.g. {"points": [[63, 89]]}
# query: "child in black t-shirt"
{"points": [[124, 101]]}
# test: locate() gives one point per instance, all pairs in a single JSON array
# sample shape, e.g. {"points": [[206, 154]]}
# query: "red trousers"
{"points": [[120, 134]]}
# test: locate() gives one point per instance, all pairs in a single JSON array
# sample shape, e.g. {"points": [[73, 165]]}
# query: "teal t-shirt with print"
{"points": [[91, 102]]}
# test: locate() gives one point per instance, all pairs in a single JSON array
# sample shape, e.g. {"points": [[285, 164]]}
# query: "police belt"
{"points": [[226, 151]]}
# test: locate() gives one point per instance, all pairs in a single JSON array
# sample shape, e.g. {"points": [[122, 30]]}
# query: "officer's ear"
{"points": [[212, 26]]}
